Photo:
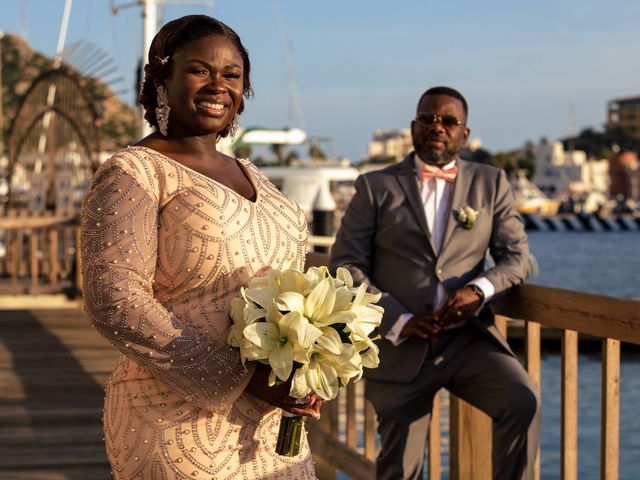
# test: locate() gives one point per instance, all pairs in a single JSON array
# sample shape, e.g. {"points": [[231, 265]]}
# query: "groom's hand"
{"points": [[460, 305], [422, 326], [278, 395]]}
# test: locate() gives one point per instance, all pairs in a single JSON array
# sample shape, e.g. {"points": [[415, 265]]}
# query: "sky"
{"points": [[528, 69]]}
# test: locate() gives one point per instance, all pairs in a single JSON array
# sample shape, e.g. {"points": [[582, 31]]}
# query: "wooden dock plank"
{"points": [[53, 370]]}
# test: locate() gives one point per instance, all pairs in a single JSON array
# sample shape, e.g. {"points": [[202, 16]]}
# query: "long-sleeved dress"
{"points": [[164, 250]]}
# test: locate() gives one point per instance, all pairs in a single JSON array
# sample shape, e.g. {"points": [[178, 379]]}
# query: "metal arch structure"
{"points": [[53, 144]]}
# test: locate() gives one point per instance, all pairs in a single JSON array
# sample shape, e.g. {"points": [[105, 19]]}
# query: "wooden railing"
{"points": [[345, 439], [38, 253], [40, 256]]}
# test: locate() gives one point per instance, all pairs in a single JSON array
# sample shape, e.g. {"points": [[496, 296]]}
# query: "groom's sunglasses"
{"points": [[428, 119]]}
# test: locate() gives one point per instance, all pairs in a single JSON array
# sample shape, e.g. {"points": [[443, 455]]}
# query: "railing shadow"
{"points": [[50, 408]]}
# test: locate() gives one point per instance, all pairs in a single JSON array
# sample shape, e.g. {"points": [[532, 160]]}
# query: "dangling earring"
{"points": [[233, 126], [162, 110]]}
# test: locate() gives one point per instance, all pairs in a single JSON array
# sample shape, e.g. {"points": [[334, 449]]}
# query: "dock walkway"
{"points": [[53, 370]]}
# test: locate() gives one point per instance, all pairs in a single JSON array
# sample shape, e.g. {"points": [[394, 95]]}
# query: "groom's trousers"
{"points": [[476, 369]]}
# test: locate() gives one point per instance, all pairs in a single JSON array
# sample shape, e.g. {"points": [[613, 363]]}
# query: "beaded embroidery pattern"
{"points": [[164, 250]]}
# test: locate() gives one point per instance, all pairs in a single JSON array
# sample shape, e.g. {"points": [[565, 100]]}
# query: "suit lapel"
{"points": [[458, 200], [408, 181]]}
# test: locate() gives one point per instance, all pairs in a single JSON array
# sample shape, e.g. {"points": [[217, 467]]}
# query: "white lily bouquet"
{"points": [[310, 328]]}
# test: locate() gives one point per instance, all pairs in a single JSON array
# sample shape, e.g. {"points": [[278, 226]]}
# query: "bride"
{"points": [[171, 230]]}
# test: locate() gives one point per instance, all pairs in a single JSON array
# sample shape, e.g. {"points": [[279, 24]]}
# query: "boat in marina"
{"points": [[530, 199], [316, 185]]}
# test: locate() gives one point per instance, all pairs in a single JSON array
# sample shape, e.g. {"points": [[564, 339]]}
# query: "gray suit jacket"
{"points": [[385, 242]]}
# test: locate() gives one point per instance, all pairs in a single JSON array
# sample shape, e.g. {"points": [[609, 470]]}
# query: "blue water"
{"points": [[604, 263]]}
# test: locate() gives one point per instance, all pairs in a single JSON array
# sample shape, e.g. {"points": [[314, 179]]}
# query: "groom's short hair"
{"points": [[451, 92]]}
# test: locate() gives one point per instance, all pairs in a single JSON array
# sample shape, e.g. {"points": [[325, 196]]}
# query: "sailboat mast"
{"points": [[150, 26], [51, 94], [1, 104]]}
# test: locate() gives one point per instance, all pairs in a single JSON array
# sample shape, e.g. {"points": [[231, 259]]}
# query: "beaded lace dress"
{"points": [[164, 250]]}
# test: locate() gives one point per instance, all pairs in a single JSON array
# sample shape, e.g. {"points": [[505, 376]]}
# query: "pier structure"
{"points": [[54, 368], [581, 223], [53, 146]]}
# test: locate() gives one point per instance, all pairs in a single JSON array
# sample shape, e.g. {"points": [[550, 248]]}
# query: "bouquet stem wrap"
{"points": [[289, 435]]}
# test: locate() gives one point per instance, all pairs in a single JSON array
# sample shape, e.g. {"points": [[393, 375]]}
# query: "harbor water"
{"points": [[603, 263]]}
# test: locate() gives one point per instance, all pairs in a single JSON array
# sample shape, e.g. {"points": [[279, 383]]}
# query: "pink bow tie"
{"points": [[449, 175]]}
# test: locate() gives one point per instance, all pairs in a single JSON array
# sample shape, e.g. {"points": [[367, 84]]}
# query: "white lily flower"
{"points": [[293, 281], [320, 301], [348, 364], [262, 294], [330, 340], [281, 362], [370, 357], [367, 319], [344, 297], [317, 376], [364, 298], [344, 276], [290, 302], [316, 274], [298, 330], [326, 372], [263, 338]]}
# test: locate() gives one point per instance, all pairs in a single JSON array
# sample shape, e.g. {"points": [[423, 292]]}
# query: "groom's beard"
{"points": [[435, 157]]}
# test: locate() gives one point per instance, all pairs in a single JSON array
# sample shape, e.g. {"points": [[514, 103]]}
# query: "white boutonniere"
{"points": [[467, 216]]}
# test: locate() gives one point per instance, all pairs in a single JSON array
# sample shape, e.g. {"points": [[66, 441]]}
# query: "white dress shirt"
{"points": [[436, 196]]}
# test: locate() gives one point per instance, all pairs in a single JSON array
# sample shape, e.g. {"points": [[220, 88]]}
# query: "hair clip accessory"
{"points": [[164, 60]]}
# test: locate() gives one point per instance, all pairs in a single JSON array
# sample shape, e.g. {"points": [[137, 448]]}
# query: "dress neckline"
{"points": [[240, 163]]}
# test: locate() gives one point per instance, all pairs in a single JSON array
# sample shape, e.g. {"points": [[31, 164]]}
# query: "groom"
{"points": [[418, 231]]}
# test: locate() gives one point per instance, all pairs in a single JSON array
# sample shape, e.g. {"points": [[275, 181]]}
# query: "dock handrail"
{"points": [[345, 439], [39, 252], [572, 313]]}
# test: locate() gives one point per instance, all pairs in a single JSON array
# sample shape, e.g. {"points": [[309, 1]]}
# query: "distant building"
{"points": [[625, 176], [559, 172], [390, 144], [625, 113]]}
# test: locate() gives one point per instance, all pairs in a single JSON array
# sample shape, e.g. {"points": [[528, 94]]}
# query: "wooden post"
{"points": [[435, 454], [352, 433], [610, 416], [54, 266], [370, 450], [532, 351], [569, 406], [469, 442], [33, 258], [16, 251], [78, 257], [328, 423]]}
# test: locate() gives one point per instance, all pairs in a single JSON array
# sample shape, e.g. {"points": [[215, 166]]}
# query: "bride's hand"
{"points": [[278, 395]]}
